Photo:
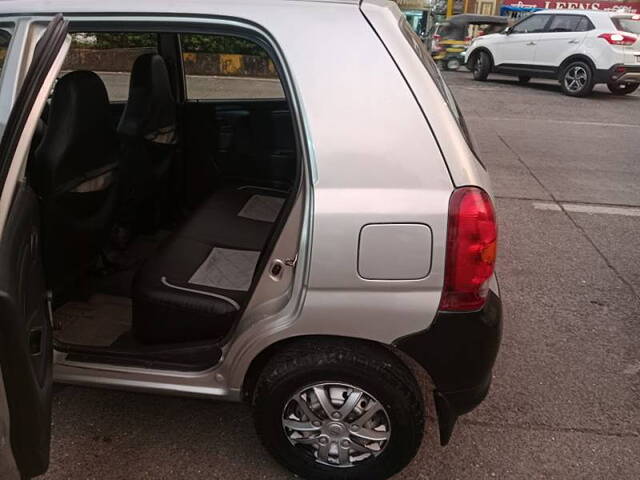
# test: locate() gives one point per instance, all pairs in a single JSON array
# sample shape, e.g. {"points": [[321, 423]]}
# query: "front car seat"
{"points": [[74, 172], [147, 130]]}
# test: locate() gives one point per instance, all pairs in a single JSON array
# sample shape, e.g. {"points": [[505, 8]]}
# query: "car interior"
{"points": [[158, 211]]}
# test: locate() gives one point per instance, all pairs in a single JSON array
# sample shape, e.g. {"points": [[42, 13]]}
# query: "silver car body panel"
{"points": [[369, 157], [463, 165]]}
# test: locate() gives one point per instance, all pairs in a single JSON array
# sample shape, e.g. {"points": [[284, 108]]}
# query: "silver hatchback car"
{"points": [[271, 202]]}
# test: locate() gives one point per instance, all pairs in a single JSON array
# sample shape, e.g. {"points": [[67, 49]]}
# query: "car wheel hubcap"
{"points": [[576, 78], [336, 423]]}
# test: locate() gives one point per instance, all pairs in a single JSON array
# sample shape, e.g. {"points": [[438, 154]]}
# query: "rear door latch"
{"points": [[291, 262]]}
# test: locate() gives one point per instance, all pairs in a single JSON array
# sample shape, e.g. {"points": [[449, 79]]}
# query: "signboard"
{"points": [[632, 7]]}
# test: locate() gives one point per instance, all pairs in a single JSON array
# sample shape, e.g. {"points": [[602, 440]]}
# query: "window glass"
{"points": [[422, 53], [111, 56], [584, 25], [565, 23], [627, 24], [222, 67], [531, 24]]}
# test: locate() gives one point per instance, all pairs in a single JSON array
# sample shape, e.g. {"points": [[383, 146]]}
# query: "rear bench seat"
{"points": [[194, 286]]}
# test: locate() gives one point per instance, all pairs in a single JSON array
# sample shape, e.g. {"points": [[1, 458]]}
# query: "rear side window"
{"points": [[531, 24], [223, 67], [111, 56], [627, 24], [569, 23], [584, 25]]}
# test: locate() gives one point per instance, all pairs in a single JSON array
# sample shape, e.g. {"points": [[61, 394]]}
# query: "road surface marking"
{"points": [[591, 209], [561, 122]]}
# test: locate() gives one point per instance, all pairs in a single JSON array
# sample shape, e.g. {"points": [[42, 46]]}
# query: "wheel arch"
{"points": [[261, 360], [474, 55], [575, 58]]}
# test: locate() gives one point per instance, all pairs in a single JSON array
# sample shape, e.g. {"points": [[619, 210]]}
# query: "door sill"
{"points": [[188, 357]]}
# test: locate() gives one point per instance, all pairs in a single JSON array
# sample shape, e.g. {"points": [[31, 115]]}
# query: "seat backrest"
{"points": [[151, 108], [74, 172], [80, 142], [147, 129]]}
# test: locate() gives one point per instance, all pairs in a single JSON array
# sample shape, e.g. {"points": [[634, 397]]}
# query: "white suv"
{"points": [[578, 47]]}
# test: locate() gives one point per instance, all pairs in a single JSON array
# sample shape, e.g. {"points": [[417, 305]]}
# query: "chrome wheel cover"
{"points": [[576, 78], [337, 424]]}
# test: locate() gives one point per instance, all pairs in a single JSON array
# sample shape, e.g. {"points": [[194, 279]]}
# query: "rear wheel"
{"points": [[481, 66], [523, 78], [622, 88], [339, 411], [576, 79]]}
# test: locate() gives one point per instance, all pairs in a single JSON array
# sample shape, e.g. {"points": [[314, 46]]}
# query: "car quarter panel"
{"points": [[461, 161], [376, 162]]}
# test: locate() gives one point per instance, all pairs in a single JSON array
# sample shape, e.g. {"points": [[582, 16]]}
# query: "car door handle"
{"points": [[531, 43], [574, 41]]}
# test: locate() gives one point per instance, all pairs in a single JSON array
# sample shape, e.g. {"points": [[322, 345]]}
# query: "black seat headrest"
{"points": [[80, 139], [151, 106]]}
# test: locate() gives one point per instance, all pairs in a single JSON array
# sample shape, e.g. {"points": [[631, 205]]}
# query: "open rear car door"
{"points": [[25, 328]]}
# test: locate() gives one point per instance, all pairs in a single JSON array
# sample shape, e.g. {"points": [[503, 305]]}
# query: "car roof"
{"points": [[208, 7], [578, 12]]}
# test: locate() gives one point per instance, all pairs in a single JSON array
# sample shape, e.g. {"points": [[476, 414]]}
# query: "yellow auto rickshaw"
{"points": [[452, 37]]}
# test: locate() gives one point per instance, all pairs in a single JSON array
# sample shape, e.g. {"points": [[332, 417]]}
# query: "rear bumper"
{"points": [[619, 73], [458, 351]]}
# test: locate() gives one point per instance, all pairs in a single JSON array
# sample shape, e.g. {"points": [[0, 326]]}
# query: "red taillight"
{"points": [[624, 39], [471, 250], [468, 38]]}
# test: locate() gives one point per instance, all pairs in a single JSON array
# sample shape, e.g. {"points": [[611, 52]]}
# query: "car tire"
{"points": [[344, 371], [481, 66], [622, 88], [576, 79], [523, 78]]}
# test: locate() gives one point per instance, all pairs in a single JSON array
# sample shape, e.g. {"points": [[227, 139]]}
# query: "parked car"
{"points": [[580, 48], [302, 253]]}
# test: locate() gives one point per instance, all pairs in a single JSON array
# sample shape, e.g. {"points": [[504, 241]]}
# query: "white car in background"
{"points": [[580, 48]]}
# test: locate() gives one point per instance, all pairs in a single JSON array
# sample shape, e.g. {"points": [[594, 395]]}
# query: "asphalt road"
{"points": [[565, 401]]}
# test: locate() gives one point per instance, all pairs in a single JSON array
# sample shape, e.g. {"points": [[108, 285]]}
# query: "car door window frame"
{"points": [[307, 173]]}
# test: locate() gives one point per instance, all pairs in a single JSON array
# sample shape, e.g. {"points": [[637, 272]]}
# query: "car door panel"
{"points": [[554, 48], [25, 330], [562, 40], [518, 47], [25, 343]]}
